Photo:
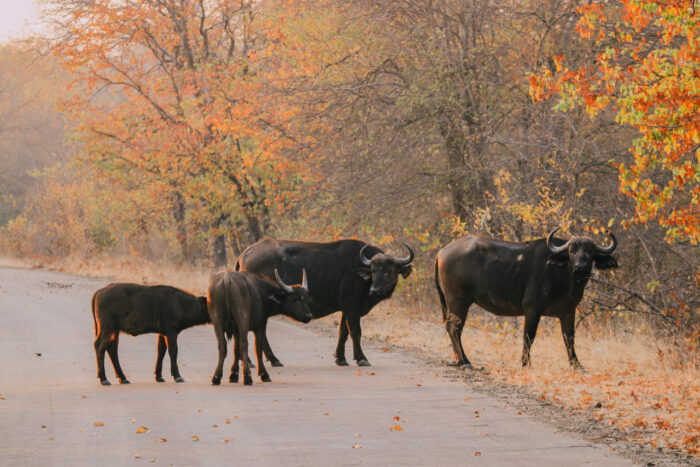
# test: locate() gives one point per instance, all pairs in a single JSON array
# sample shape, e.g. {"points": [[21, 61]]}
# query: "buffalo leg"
{"points": [[532, 320], [112, 350], [221, 341], [171, 340], [457, 311], [100, 348], [356, 335], [243, 346], [233, 374], [274, 361], [567, 331], [342, 337], [162, 348], [259, 343]]}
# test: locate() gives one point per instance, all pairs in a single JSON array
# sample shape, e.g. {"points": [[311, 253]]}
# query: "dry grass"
{"points": [[646, 386]]}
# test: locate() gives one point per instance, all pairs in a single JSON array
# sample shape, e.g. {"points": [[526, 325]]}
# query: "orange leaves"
{"points": [[656, 93], [143, 429]]}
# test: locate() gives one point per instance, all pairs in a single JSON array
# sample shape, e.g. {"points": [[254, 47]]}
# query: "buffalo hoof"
{"points": [[124, 381], [363, 362], [276, 363], [233, 378], [468, 366], [215, 380], [105, 382], [579, 368], [265, 378], [179, 379], [159, 379], [341, 362], [247, 380]]}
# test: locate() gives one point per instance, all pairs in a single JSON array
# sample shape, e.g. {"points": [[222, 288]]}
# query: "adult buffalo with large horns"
{"points": [[544, 277], [350, 276]]}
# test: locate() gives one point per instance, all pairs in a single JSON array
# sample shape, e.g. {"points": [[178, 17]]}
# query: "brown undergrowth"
{"points": [[645, 385]]}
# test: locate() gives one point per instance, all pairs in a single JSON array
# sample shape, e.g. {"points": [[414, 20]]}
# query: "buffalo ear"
{"points": [[605, 262], [405, 270], [364, 273], [558, 260]]}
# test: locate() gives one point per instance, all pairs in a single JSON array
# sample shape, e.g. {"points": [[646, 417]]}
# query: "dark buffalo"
{"points": [[347, 275], [139, 309], [544, 277], [240, 302]]}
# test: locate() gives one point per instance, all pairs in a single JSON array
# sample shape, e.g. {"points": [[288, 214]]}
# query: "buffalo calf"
{"points": [[544, 277], [240, 302], [139, 309]]}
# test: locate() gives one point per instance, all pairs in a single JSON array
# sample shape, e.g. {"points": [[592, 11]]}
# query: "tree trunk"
{"points": [[181, 228], [218, 252]]}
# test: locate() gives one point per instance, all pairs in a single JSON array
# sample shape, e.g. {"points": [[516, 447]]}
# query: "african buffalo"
{"points": [[544, 277], [350, 276], [139, 309], [240, 302]]}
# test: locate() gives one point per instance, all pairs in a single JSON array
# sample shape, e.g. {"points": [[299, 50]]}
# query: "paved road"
{"points": [[313, 413]]}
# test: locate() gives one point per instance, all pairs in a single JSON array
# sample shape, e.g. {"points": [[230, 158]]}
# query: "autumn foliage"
{"points": [[647, 68]]}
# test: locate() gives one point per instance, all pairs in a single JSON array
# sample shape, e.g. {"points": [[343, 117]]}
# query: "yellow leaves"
{"points": [[143, 429]]}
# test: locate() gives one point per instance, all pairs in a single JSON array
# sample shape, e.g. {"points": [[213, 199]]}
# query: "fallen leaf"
{"points": [[50, 439], [84, 397], [199, 410], [215, 426], [132, 421], [519, 412], [326, 414], [477, 453], [195, 438], [161, 440], [396, 419], [99, 424], [224, 441], [137, 456], [358, 373], [228, 420], [398, 428], [152, 461], [357, 446], [467, 399], [43, 426], [143, 429]]}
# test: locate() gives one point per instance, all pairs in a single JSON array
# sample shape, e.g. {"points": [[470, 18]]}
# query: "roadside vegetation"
{"points": [[154, 141]]}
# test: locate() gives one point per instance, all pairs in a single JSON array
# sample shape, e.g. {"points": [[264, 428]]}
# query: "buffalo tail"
{"points": [[442, 295]]}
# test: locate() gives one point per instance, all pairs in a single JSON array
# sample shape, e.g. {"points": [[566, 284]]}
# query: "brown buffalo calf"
{"points": [[140, 309]]}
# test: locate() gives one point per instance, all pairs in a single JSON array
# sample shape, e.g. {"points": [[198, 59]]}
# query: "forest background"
{"points": [[169, 135]]}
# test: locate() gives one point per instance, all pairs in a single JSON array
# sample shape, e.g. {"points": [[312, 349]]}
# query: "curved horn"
{"points": [[363, 258], [556, 249], [284, 286], [304, 282], [409, 258], [609, 249]]}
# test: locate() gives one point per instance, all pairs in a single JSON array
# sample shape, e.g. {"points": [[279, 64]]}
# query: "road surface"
{"points": [[397, 412]]}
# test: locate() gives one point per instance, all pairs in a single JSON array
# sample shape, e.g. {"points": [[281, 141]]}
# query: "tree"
{"points": [[647, 68], [177, 99]]}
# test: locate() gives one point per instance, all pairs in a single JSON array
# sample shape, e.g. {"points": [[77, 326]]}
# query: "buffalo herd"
{"points": [[544, 277]]}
